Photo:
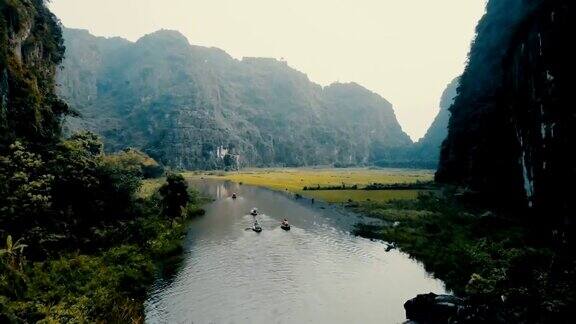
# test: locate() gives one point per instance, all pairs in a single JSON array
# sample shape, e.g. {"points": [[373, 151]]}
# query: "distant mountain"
{"points": [[427, 149], [425, 153], [196, 107]]}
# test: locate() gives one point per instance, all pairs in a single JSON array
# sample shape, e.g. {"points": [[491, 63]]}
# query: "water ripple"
{"points": [[315, 273]]}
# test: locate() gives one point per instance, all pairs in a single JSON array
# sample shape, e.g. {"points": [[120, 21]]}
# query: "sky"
{"points": [[405, 50]]}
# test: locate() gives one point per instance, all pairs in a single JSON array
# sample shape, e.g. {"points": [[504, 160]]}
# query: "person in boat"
{"points": [[285, 222], [234, 195], [256, 224]]}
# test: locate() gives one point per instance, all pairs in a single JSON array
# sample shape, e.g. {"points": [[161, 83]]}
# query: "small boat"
{"points": [[284, 225], [254, 212], [257, 228], [234, 196]]}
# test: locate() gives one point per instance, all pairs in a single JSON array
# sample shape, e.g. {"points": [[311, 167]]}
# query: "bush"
{"points": [[137, 160], [175, 195]]}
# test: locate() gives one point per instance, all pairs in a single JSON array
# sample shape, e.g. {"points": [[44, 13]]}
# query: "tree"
{"points": [[175, 196], [25, 188], [13, 251], [141, 162]]}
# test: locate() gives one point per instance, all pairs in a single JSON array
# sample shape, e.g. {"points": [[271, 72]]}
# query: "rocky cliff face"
{"points": [[513, 123], [186, 104], [32, 47], [427, 149]]}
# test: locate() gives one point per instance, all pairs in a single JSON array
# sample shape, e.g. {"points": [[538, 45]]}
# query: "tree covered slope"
{"points": [[31, 48], [190, 106]]}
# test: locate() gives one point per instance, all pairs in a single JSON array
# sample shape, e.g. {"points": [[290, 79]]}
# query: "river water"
{"points": [[315, 273]]}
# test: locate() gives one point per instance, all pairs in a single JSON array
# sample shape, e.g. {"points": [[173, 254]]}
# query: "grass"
{"points": [[336, 196], [509, 272], [294, 181]]}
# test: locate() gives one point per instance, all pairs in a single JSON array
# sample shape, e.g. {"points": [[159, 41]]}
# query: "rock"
{"points": [[512, 148], [431, 308]]}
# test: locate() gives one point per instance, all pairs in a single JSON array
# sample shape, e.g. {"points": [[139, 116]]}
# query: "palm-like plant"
{"points": [[13, 251]]}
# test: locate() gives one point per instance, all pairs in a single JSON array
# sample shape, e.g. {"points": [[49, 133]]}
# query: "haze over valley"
{"points": [[406, 51]]}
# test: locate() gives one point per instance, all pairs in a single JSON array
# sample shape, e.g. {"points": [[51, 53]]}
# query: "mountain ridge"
{"points": [[199, 99]]}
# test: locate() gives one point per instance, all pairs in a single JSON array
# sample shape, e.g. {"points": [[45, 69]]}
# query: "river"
{"points": [[315, 273]]}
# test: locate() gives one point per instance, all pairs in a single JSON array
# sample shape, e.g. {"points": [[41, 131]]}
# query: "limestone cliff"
{"points": [[513, 122], [182, 104], [32, 47]]}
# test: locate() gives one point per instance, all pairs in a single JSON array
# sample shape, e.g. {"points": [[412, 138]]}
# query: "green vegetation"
{"points": [[341, 184], [132, 158], [87, 247], [176, 196], [26, 108], [506, 269], [81, 244]]}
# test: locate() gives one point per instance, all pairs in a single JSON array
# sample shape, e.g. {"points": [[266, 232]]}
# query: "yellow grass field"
{"points": [[336, 196], [294, 180]]}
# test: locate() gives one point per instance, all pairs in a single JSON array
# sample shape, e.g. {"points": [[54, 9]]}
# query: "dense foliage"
{"points": [[30, 36], [140, 162], [89, 242], [175, 195], [80, 244], [507, 271]]}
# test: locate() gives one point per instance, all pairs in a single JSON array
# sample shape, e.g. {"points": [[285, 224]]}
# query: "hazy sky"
{"points": [[405, 50]]}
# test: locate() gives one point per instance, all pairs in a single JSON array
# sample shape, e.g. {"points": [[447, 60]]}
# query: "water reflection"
{"points": [[315, 273]]}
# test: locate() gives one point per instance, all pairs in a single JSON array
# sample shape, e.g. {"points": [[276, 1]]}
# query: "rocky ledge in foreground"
{"points": [[439, 309], [433, 308]]}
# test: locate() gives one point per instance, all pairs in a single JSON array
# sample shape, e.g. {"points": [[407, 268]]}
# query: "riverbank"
{"points": [[108, 283], [307, 274], [505, 271]]}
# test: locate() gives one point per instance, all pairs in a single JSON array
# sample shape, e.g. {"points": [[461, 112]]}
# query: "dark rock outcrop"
{"points": [[431, 308], [513, 123]]}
